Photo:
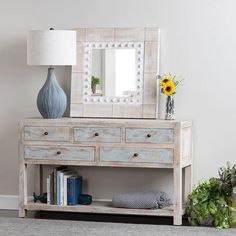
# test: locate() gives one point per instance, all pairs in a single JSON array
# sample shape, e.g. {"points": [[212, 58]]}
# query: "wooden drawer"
{"points": [[59, 153], [148, 155], [93, 134], [161, 136], [46, 133]]}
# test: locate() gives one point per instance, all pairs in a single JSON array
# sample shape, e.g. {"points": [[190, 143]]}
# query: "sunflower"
{"points": [[169, 88], [165, 79]]}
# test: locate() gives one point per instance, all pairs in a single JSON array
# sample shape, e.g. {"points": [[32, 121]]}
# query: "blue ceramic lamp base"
{"points": [[51, 100]]}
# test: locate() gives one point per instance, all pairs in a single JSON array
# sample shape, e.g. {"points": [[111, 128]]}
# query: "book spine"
{"points": [[51, 188], [71, 199], [61, 189], [78, 188], [58, 187], [54, 186], [65, 190], [48, 190]]}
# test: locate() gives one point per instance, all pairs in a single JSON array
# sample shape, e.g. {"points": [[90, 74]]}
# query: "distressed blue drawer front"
{"points": [[162, 136], [59, 153], [149, 155], [46, 133], [93, 134]]}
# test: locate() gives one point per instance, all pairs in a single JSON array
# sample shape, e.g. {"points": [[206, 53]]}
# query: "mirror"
{"points": [[113, 72]]}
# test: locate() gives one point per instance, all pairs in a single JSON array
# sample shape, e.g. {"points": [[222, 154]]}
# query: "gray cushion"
{"points": [[143, 200]]}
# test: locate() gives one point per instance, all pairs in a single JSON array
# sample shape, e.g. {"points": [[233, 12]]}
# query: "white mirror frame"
{"points": [[137, 99], [145, 104]]}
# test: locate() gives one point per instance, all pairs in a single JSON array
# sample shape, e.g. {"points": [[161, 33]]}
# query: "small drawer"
{"points": [[148, 155], [46, 133], [93, 134], [59, 153], [161, 136]]}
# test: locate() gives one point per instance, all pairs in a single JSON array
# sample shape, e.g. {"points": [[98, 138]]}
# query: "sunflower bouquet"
{"points": [[169, 84]]}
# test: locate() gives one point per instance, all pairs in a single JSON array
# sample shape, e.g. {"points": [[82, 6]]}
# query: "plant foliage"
{"points": [[227, 180], [94, 81], [211, 202]]}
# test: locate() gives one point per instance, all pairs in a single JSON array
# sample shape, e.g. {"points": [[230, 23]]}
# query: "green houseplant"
{"points": [[94, 82], [227, 180], [211, 202]]}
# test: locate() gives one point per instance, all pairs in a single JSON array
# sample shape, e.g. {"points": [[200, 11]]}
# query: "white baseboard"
{"points": [[8, 202]]}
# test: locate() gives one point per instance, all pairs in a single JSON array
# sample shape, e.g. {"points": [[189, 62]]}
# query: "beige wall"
{"points": [[198, 43]]}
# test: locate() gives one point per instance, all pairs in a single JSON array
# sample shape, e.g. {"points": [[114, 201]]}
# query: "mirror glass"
{"points": [[113, 72]]}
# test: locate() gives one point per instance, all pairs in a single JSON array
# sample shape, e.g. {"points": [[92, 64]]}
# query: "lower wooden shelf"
{"points": [[99, 207]]}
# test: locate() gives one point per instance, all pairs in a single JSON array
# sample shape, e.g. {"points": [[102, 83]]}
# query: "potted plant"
{"points": [[211, 202], [94, 82]]}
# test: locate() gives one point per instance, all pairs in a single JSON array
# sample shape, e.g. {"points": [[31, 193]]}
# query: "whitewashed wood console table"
{"points": [[107, 142]]}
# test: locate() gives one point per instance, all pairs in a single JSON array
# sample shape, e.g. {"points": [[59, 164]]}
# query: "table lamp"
{"points": [[51, 48]]}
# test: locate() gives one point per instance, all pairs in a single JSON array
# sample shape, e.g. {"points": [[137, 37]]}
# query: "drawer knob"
{"points": [[135, 154], [96, 134], [58, 152], [45, 133], [149, 135]]}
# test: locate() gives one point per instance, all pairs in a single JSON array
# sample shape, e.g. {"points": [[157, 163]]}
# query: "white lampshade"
{"points": [[51, 47]]}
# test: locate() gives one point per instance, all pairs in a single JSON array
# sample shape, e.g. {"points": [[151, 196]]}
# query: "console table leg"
{"points": [[22, 189], [187, 181], [178, 195]]}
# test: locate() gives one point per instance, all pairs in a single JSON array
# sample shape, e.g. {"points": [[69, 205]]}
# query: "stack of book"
{"points": [[63, 187]]}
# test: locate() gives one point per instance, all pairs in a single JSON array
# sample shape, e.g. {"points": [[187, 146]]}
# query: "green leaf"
{"points": [[212, 208]]}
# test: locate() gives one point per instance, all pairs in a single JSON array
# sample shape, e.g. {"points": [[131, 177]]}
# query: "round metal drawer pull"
{"points": [[96, 134], [149, 135], [135, 154], [58, 152], [45, 133]]}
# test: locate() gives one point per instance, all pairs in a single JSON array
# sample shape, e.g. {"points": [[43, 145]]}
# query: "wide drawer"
{"points": [[149, 155], [161, 136], [93, 134], [46, 133], [59, 153]]}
